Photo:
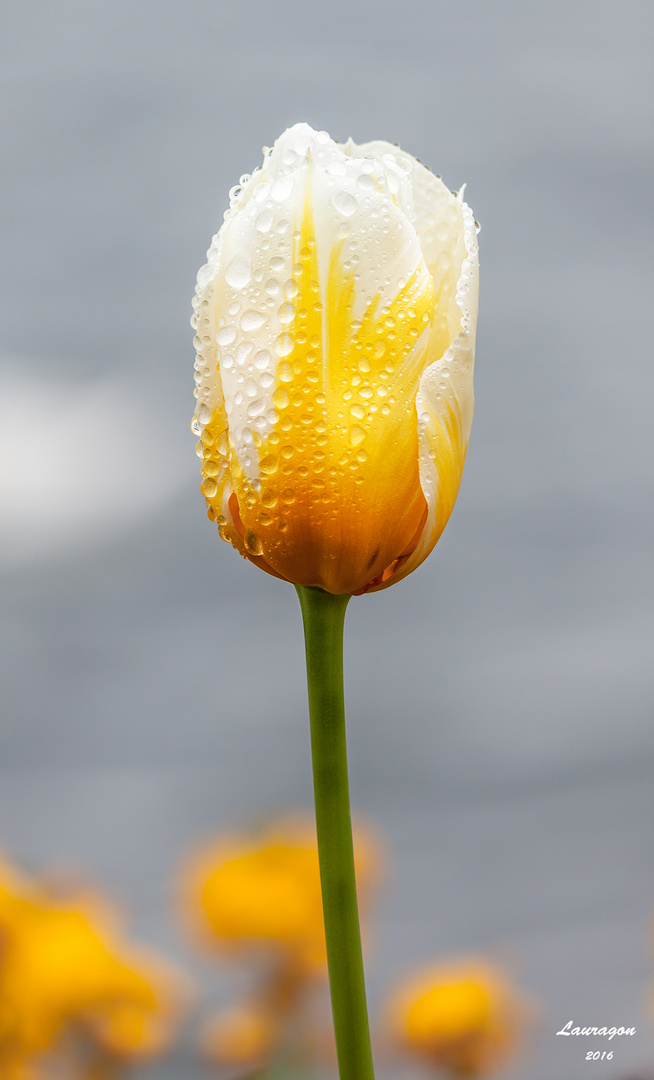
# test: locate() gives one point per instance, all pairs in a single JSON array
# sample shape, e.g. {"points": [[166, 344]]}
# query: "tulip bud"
{"points": [[335, 324]]}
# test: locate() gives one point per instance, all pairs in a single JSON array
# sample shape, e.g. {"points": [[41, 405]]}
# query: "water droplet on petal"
{"points": [[238, 272], [268, 465], [280, 398], [252, 320], [285, 344], [209, 487], [282, 188], [252, 543], [226, 335], [345, 203], [357, 435], [262, 359], [367, 182], [264, 221]]}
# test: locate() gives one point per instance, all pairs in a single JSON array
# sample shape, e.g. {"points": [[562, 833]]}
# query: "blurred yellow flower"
{"points": [[242, 1035], [65, 966], [462, 1017], [335, 325], [248, 892]]}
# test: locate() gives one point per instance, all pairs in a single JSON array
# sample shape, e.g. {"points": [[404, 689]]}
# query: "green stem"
{"points": [[323, 615]]}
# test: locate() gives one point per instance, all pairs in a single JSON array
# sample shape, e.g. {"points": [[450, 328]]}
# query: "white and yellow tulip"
{"points": [[335, 324]]}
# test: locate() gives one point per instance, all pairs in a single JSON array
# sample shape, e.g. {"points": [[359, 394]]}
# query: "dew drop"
{"points": [[280, 399], [286, 313], [357, 435], [263, 222], [209, 487], [344, 203], [238, 272], [285, 344], [268, 465], [368, 183], [226, 335], [252, 320], [262, 359], [358, 412], [252, 543], [282, 188]]}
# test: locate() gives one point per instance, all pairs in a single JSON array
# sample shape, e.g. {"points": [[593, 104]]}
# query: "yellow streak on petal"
{"points": [[340, 495]]}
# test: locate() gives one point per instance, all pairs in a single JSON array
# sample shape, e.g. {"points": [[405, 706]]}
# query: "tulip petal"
{"points": [[444, 405]]}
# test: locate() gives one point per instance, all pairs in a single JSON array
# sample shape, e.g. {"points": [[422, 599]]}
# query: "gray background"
{"points": [[500, 700]]}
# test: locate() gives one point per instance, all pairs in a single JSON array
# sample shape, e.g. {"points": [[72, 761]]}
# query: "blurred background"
{"points": [[499, 699]]}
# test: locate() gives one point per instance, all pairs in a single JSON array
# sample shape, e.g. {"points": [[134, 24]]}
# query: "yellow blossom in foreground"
{"points": [[65, 967], [248, 892], [462, 1017], [335, 324]]}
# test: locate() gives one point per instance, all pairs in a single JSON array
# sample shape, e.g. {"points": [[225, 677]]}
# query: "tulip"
{"points": [[335, 335]]}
